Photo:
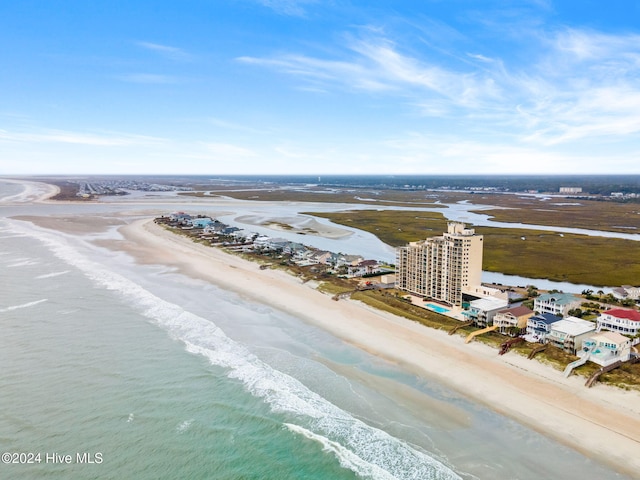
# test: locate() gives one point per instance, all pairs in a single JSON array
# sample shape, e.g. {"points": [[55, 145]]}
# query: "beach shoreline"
{"points": [[602, 422], [34, 192]]}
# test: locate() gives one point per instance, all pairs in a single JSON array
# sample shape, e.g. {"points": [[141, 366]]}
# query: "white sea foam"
{"points": [[184, 426], [25, 263], [24, 305], [355, 443], [51, 275], [346, 458]]}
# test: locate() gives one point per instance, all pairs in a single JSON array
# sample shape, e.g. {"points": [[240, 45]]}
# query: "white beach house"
{"points": [[605, 348], [621, 320], [569, 333]]}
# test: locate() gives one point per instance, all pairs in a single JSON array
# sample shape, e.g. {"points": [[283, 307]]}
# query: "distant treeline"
{"points": [[594, 184], [591, 184]]}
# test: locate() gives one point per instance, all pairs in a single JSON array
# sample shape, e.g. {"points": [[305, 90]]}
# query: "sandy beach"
{"points": [[602, 422], [34, 192]]}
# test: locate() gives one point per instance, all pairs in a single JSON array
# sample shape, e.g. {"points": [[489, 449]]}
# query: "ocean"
{"points": [[110, 369]]}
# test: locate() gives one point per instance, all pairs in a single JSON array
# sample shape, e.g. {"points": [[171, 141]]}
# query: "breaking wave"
{"points": [[367, 451]]}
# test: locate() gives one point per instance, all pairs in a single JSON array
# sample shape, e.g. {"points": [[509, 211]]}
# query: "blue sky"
{"points": [[319, 87]]}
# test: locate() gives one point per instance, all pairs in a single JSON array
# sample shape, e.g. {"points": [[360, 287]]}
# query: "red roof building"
{"points": [[621, 320]]}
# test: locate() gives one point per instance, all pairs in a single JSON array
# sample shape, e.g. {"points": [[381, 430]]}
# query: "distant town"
{"points": [[611, 188]]}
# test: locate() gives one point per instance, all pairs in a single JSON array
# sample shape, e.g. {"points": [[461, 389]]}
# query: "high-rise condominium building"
{"points": [[442, 267]]}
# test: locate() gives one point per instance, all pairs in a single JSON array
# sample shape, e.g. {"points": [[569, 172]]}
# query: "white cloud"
{"points": [[578, 85], [288, 7], [149, 78], [173, 53], [79, 138], [379, 67]]}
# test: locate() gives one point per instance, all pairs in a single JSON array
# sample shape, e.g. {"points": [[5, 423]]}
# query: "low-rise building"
{"points": [[539, 326], [627, 291], [569, 333], [605, 348], [215, 227], [482, 310], [179, 217], [621, 320], [200, 222], [512, 321], [365, 267], [556, 303], [348, 260]]}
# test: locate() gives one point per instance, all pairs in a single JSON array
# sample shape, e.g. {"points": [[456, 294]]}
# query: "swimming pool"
{"points": [[436, 308]]}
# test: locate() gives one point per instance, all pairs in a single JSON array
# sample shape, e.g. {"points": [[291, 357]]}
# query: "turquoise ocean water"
{"points": [[140, 372]]}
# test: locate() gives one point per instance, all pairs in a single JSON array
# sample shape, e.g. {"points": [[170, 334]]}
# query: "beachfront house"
{"points": [[482, 310], [180, 217], [569, 333], [201, 222], [348, 260], [264, 242], [365, 267], [556, 303], [512, 321], [605, 348], [241, 235], [321, 256], [296, 250], [539, 326], [621, 320], [214, 227]]}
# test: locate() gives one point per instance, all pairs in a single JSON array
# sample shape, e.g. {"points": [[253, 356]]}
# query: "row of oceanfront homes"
{"points": [[443, 274]]}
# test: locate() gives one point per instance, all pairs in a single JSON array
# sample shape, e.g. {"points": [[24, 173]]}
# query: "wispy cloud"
{"points": [[172, 53], [150, 78], [580, 84], [584, 86], [106, 139], [288, 7], [377, 65]]}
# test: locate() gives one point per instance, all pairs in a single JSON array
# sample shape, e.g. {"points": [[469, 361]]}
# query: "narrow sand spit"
{"points": [[34, 192]]}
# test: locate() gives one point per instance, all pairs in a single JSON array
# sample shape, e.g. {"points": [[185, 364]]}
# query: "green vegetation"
{"points": [[587, 214], [393, 227], [528, 253], [566, 257], [391, 302]]}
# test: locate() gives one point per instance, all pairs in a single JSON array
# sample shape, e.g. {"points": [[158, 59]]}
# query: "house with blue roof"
{"points": [[556, 303], [200, 222], [539, 326]]}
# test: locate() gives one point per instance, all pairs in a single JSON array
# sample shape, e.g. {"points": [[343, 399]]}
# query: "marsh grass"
{"points": [[591, 215], [572, 258], [393, 227]]}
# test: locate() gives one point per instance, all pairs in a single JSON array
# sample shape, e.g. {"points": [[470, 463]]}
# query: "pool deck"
{"points": [[453, 312]]}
